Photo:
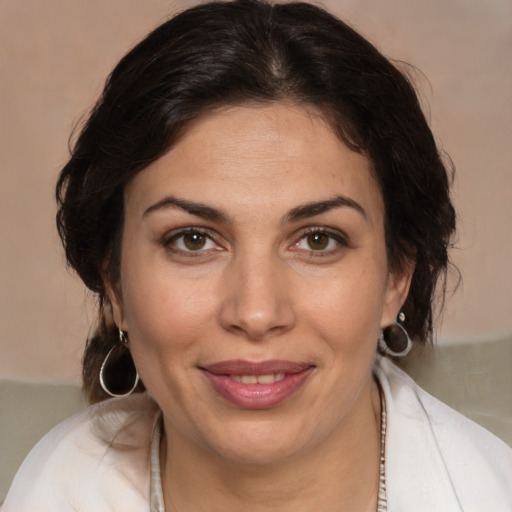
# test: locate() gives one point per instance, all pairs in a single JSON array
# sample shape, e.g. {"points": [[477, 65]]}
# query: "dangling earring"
{"points": [[118, 375], [394, 340]]}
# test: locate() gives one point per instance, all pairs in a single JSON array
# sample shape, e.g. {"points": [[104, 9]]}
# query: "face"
{"points": [[253, 283]]}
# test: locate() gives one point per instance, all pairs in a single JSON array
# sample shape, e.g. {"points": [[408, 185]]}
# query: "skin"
{"points": [[256, 285]]}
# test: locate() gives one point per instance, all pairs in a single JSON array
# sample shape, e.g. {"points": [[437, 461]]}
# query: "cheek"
{"points": [[347, 308], [166, 321], [163, 310]]}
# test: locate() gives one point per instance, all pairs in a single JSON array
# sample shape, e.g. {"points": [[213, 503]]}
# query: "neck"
{"points": [[340, 473]]}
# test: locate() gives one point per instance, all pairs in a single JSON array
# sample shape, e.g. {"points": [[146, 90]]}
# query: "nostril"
{"points": [[256, 303], [257, 321]]}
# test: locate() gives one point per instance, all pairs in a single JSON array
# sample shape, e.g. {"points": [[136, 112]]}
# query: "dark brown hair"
{"points": [[235, 52]]}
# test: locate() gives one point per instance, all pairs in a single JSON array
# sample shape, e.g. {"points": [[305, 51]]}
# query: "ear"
{"points": [[397, 290], [115, 298]]}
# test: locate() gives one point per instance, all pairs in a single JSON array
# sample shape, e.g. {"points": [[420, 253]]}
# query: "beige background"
{"points": [[54, 57]]}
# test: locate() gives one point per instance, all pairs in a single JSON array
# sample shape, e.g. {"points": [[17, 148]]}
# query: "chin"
{"points": [[260, 453], [260, 443]]}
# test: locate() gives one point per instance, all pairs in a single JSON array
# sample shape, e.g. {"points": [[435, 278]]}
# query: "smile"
{"points": [[262, 385]]}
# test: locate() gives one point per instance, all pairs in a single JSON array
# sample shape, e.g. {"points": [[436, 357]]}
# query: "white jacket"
{"points": [[436, 460]]}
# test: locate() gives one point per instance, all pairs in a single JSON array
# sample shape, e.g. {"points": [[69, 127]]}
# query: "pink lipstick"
{"points": [[261, 385]]}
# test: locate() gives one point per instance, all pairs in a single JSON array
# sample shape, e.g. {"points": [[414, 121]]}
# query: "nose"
{"points": [[257, 299]]}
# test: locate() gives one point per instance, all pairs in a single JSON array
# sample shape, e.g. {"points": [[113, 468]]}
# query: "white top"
{"points": [[105, 458]]}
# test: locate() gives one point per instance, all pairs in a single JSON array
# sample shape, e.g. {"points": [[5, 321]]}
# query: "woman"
{"points": [[261, 208]]}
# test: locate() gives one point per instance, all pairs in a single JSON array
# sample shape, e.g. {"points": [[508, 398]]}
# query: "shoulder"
{"points": [[431, 446], [96, 460]]}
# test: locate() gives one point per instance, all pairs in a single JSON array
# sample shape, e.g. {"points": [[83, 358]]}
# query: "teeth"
{"points": [[266, 379], [258, 379]]}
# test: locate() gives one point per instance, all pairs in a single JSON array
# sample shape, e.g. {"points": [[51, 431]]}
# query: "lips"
{"points": [[260, 385]]}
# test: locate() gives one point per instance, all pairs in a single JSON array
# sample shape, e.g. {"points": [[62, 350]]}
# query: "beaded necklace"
{"points": [[382, 504]]}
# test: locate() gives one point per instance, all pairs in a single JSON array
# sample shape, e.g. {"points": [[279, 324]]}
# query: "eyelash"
{"points": [[339, 238], [170, 242]]}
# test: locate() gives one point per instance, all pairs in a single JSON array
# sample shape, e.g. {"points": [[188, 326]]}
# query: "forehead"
{"points": [[258, 155]]}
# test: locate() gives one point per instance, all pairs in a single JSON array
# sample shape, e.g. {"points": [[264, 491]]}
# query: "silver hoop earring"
{"points": [[123, 337], [394, 340], [118, 375]]}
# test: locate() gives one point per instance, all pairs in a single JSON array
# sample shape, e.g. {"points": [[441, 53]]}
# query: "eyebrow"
{"points": [[298, 213], [198, 209], [318, 207]]}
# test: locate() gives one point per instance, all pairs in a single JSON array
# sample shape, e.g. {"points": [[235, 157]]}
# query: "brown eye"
{"points": [[194, 241], [318, 241], [191, 241]]}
